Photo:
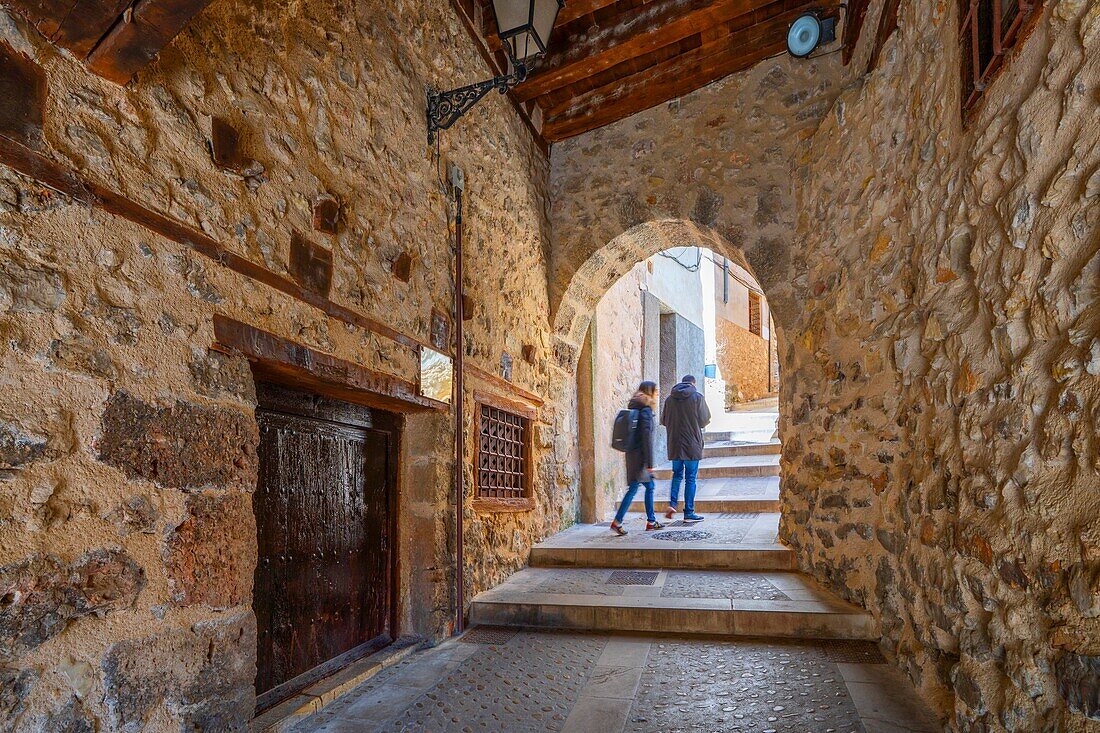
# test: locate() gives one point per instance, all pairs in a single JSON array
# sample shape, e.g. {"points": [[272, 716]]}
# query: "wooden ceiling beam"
{"points": [[135, 41], [663, 82], [73, 24], [627, 35], [713, 38]]}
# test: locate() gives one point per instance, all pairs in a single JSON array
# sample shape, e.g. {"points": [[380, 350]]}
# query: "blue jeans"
{"points": [[679, 469], [630, 491]]}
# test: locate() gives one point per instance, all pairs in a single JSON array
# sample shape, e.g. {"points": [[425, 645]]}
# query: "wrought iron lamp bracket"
{"points": [[445, 108]]}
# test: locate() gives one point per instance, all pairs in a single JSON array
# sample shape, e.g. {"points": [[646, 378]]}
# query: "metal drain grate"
{"points": [[852, 652], [682, 535], [488, 635], [633, 577]]}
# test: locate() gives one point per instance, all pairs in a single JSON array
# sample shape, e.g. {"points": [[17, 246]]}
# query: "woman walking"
{"points": [[639, 458]]}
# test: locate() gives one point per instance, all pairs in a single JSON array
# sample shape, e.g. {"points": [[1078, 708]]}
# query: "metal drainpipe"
{"points": [[460, 412]]}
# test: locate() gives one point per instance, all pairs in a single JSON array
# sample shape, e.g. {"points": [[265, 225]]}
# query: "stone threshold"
{"points": [[720, 506], [713, 616], [713, 557], [283, 717]]}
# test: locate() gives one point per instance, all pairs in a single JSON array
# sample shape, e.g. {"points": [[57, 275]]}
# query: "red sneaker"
{"points": [[618, 529], [651, 526], [670, 513]]}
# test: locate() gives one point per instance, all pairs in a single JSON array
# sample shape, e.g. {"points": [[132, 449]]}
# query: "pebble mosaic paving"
{"points": [[591, 683]]}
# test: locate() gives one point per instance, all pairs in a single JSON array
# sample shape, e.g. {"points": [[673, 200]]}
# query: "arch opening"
{"points": [[663, 299]]}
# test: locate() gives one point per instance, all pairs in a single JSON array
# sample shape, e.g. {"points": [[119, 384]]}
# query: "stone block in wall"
{"points": [[15, 687], [41, 595], [18, 448], [30, 288], [310, 264], [215, 374], [210, 557], [182, 445], [1079, 683], [202, 674]]}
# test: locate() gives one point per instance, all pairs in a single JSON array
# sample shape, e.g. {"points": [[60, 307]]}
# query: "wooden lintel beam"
{"points": [[281, 360], [137, 39], [672, 79], [629, 35], [887, 24], [853, 25], [76, 25]]}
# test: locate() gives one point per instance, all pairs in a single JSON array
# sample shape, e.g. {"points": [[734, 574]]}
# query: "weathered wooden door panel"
{"points": [[323, 577]]}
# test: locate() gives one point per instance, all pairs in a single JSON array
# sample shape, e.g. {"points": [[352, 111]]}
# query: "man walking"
{"points": [[685, 414]]}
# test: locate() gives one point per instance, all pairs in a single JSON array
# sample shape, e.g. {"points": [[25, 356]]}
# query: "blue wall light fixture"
{"points": [[807, 32]]}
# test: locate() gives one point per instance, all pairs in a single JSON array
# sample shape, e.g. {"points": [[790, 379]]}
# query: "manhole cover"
{"points": [[682, 535], [632, 577], [488, 635]]}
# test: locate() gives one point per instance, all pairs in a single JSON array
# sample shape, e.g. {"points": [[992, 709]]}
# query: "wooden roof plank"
{"points": [[633, 33], [552, 102], [673, 79]]}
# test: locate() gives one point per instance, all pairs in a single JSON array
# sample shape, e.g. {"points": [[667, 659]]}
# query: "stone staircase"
{"points": [[726, 576], [733, 477]]}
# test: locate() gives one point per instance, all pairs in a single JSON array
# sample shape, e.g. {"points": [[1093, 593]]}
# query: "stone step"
{"points": [[717, 506], [743, 541], [727, 449], [722, 495], [730, 467], [672, 601]]}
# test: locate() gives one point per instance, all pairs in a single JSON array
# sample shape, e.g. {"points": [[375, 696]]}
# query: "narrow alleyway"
{"points": [[695, 627]]}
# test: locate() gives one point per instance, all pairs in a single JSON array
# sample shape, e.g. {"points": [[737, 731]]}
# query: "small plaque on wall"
{"points": [[506, 366], [436, 375]]}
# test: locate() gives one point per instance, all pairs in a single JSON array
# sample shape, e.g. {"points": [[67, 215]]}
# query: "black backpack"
{"points": [[624, 432]]}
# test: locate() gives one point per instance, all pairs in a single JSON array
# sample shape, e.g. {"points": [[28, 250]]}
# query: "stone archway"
{"points": [[573, 317], [605, 266]]}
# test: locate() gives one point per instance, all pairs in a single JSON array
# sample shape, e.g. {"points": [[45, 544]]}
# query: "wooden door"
{"points": [[322, 505]]}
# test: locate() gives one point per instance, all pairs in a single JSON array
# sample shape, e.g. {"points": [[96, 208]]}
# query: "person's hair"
{"points": [[687, 379], [647, 393]]}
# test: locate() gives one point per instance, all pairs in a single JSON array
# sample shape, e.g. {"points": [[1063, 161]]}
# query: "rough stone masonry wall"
{"points": [[743, 359], [942, 384], [127, 542], [720, 157], [617, 373]]}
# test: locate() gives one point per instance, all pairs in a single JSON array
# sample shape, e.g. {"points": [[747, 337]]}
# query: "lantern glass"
{"points": [[525, 25]]}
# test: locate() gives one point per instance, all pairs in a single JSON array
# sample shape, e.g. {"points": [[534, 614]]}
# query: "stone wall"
{"points": [[941, 385], [617, 373], [652, 167], [128, 446], [743, 359]]}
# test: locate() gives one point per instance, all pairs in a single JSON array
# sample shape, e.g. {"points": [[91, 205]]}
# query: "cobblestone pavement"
{"points": [[590, 683], [703, 584]]}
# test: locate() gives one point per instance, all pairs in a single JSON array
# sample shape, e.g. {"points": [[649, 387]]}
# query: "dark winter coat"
{"points": [[685, 415], [640, 457]]}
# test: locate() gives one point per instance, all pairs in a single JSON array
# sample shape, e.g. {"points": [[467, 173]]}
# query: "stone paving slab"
{"points": [[744, 541], [757, 494], [724, 603], [584, 683], [729, 467]]}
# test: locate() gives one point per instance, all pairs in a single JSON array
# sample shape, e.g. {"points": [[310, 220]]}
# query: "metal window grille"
{"points": [[502, 454], [987, 32], [754, 314]]}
